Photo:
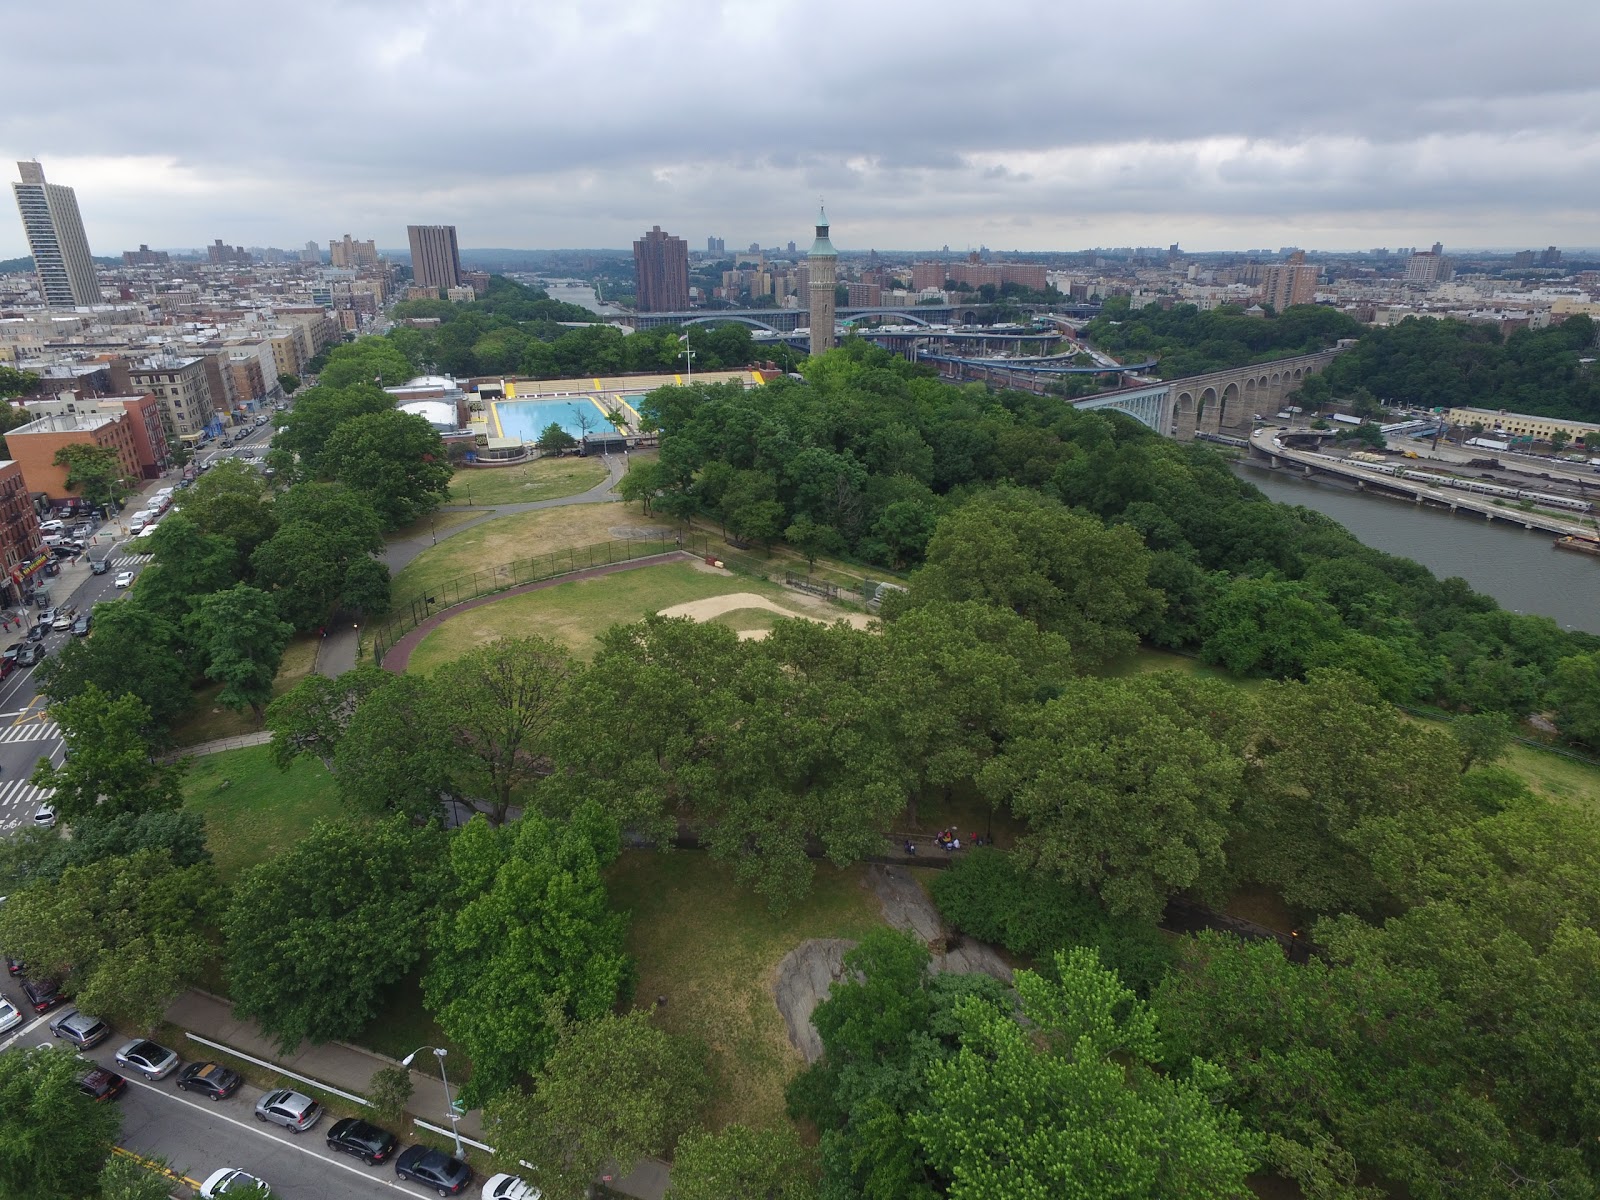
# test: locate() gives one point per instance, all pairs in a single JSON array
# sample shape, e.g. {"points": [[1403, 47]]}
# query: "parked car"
{"points": [[10, 1018], [82, 1030], [231, 1179], [15, 966], [63, 621], [42, 994], [295, 1112], [433, 1168], [45, 817], [37, 633], [100, 1084], [150, 1059], [31, 655], [82, 625], [509, 1187], [124, 579], [209, 1079], [99, 566], [46, 617], [361, 1140], [9, 654]]}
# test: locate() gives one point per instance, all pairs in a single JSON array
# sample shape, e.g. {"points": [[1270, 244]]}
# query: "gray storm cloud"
{"points": [[1029, 125]]}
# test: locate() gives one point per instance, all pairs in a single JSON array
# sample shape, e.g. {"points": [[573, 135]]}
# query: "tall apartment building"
{"points": [[1427, 266], [435, 256], [350, 253], [1289, 283], [56, 239], [822, 262], [662, 264], [145, 257], [716, 247], [221, 255]]}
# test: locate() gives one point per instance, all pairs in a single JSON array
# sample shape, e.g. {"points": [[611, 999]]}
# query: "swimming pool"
{"points": [[527, 419]]}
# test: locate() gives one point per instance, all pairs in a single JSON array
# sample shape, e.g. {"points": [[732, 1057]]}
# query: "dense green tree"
{"points": [[614, 1089], [1484, 738], [505, 698], [289, 383], [96, 473], [393, 460], [18, 383], [125, 1178], [1268, 627], [110, 767], [189, 564], [53, 1138], [42, 854], [553, 439], [316, 935], [1127, 786], [133, 650], [366, 360], [397, 753], [1072, 1106], [320, 559], [759, 1164], [1061, 570], [304, 430], [241, 639], [228, 501], [524, 935], [123, 935], [311, 718], [1576, 694]]}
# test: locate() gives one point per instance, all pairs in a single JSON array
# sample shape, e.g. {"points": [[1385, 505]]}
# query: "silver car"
{"points": [[294, 1112], [82, 1030], [150, 1059]]}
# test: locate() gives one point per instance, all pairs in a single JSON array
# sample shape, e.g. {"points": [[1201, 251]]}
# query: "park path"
{"points": [[238, 742], [340, 650]]}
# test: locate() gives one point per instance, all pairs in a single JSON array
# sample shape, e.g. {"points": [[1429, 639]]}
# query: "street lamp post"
{"points": [[687, 354], [439, 1053]]}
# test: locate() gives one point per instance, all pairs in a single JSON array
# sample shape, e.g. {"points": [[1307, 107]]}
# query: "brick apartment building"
{"points": [[33, 447], [21, 550]]}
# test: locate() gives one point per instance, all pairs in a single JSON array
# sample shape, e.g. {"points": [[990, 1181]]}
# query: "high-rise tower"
{"points": [[661, 262], [435, 256], [822, 262], [56, 238]]}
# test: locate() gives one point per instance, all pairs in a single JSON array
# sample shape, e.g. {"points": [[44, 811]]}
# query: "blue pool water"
{"points": [[527, 419]]}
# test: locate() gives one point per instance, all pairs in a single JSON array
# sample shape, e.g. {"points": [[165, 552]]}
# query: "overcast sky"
{"points": [[1026, 125]]}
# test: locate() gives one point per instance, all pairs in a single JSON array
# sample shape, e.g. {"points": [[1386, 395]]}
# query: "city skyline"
{"points": [[1394, 125]]}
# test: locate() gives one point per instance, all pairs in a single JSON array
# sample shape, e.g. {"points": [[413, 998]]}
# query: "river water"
{"points": [[1518, 567]]}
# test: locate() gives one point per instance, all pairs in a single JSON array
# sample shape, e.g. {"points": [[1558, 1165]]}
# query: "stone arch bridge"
{"points": [[1182, 408]]}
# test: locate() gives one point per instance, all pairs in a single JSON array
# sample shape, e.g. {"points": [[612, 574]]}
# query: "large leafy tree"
{"points": [[1072, 1106], [1128, 787], [504, 704], [316, 935], [397, 753], [311, 718], [94, 472], [1577, 697], [761, 1164], [303, 432], [189, 564], [525, 934], [110, 768], [320, 559], [366, 361], [1062, 570], [615, 1089], [229, 501], [241, 639], [53, 1138], [124, 935], [134, 650], [393, 460]]}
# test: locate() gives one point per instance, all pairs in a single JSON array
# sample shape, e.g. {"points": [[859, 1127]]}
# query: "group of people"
{"points": [[948, 840]]}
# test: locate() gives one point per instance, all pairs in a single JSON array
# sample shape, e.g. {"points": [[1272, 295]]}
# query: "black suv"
{"points": [[42, 994], [99, 565]]}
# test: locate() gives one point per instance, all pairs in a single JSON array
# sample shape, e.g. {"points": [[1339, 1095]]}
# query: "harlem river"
{"points": [[1518, 567]]}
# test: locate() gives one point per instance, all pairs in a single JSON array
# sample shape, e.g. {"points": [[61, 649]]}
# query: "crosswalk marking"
{"points": [[131, 560], [19, 792], [30, 731]]}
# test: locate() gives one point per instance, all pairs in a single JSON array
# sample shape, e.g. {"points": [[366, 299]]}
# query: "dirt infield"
{"points": [[715, 606]]}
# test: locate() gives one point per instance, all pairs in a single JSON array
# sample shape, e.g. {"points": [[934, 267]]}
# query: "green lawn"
{"points": [[253, 810], [541, 479], [710, 947], [577, 612], [447, 568], [208, 721], [1556, 776]]}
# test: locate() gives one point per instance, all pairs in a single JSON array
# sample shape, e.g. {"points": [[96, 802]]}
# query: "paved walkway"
{"points": [[341, 647], [350, 1068]]}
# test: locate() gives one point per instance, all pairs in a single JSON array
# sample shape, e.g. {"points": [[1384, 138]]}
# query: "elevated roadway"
{"points": [[1269, 443]]}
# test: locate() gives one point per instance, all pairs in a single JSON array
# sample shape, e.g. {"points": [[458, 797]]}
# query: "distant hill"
{"points": [[10, 266]]}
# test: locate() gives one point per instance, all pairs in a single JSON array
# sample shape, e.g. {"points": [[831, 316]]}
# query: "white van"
{"points": [[139, 520]]}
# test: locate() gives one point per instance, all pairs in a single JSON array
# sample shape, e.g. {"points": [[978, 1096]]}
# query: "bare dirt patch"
{"points": [[716, 606]]}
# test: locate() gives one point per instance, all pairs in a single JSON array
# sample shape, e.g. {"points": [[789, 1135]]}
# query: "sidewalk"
{"points": [[351, 1068]]}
